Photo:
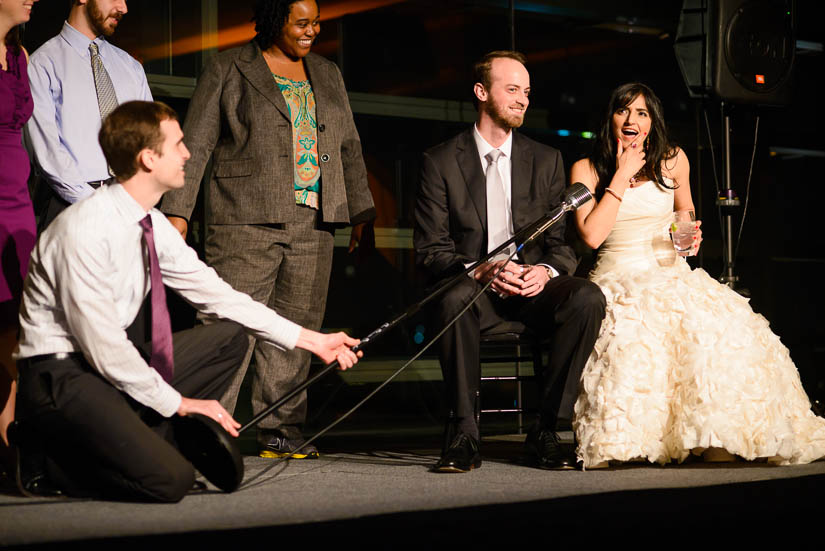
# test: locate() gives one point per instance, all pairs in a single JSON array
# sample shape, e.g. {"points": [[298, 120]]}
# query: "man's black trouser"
{"points": [[98, 441]]}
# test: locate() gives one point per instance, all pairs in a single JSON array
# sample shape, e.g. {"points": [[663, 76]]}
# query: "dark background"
{"points": [[577, 53]]}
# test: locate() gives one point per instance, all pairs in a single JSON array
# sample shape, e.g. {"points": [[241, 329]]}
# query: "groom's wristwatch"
{"points": [[550, 272]]}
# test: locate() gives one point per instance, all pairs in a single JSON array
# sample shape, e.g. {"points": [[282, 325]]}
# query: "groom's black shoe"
{"points": [[461, 455], [548, 452]]}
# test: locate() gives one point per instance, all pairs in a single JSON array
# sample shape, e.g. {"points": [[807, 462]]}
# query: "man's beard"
{"points": [[503, 117], [97, 20]]}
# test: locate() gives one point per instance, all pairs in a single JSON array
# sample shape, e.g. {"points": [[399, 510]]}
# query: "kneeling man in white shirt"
{"points": [[96, 392]]}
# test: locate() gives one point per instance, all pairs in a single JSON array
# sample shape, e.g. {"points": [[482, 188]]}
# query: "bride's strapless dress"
{"points": [[682, 362]]}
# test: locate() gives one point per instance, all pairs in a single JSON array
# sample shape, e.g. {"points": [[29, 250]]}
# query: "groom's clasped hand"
{"points": [[514, 279]]}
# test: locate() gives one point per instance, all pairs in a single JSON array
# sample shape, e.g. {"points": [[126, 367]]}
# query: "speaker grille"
{"points": [[759, 47]]}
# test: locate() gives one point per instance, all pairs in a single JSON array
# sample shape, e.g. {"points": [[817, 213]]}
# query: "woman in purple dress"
{"points": [[17, 228]]}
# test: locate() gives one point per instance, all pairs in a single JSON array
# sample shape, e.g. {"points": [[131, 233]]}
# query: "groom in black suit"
{"points": [[476, 190]]}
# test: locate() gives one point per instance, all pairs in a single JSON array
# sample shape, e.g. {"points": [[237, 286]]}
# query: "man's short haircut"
{"points": [[132, 127], [483, 67]]}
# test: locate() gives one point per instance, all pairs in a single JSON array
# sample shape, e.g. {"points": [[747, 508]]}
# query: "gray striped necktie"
{"points": [[106, 96]]}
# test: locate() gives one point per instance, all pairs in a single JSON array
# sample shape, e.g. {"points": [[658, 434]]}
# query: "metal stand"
{"points": [[727, 202]]}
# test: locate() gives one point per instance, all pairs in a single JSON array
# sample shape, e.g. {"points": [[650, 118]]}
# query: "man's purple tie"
{"points": [[162, 359]]}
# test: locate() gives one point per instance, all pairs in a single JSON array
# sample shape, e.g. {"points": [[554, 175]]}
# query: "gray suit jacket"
{"points": [[238, 117], [451, 207]]}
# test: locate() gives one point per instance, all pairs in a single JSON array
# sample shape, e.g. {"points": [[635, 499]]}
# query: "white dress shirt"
{"points": [[62, 132], [89, 275], [505, 173]]}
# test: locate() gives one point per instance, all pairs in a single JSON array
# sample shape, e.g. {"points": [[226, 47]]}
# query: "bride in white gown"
{"points": [[682, 364]]}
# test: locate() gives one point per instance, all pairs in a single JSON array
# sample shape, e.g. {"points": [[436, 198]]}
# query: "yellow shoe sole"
{"points": [[269, 454]]}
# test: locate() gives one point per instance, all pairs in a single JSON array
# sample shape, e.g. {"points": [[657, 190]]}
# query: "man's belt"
{"points": [[32, 360], [97, 183]]}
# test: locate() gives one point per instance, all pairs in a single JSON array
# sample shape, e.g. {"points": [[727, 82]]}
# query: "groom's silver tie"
{"points": [[497, 224]]}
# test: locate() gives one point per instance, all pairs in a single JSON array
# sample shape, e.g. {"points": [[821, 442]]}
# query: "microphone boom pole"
{"points": [[576, 195]]}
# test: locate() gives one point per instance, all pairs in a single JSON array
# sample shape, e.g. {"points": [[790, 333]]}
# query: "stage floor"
{"points": [[375, 495]]}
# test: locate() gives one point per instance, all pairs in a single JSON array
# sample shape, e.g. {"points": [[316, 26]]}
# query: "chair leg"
{"points": [[519, 405], [478, 408]]}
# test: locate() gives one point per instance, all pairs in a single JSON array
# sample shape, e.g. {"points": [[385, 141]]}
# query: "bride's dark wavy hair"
{"points": [[658, 147]]}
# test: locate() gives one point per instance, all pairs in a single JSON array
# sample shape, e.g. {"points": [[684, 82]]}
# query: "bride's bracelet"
{"points": [[613, 193]]}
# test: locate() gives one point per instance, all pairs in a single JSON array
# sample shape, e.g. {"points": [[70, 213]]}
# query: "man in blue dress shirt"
{"points": [[76, 79]]}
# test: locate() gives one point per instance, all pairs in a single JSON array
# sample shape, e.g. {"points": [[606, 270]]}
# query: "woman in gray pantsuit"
{"points": [[287, 169]]}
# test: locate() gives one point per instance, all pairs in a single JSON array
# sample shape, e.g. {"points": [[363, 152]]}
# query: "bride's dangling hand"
{"points": [[631, 160]]}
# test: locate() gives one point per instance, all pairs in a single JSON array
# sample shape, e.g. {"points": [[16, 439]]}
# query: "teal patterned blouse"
{"points": [[301, 104]]}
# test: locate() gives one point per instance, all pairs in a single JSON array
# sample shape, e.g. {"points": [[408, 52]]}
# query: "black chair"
{"points": [[510, 342]]}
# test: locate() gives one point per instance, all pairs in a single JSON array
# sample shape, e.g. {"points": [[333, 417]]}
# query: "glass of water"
{"points": [[683, 231]]}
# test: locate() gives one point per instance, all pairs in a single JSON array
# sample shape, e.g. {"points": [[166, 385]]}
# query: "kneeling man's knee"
{"points": [[174, 482]]}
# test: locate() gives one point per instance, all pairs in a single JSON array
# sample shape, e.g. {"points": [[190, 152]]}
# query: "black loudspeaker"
{"points": [[693, 48], [742, 51]]}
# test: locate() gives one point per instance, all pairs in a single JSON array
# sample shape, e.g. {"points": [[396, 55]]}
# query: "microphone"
{"points": [[576, 196]]}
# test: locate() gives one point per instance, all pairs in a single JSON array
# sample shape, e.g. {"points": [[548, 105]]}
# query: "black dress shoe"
{"points": [[30, 468], [548, 452], [461, 456]]}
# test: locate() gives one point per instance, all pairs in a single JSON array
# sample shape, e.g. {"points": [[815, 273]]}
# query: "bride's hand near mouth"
{"points": [[630, 160]]}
